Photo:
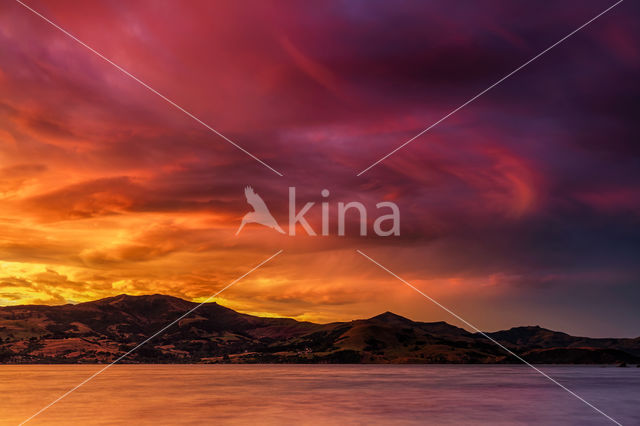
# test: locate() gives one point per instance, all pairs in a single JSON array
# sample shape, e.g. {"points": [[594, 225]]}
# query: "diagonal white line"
{"points": [[128, 74], [490, 87], [85, 381], [492, 340]]}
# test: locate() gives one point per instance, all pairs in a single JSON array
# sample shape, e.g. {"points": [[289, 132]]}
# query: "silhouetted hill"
{"points": [[102, 330], [532, 338]]}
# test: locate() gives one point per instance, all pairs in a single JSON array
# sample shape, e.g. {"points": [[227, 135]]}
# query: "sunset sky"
{"points": [[523, 208]]}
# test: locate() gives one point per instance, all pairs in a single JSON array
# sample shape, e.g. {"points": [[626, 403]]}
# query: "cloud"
{"points": [[13, 178], [100, 197], [106, 188]]}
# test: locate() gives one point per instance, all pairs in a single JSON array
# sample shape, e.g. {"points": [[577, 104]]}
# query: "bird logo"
{"points": [[260, 213]]}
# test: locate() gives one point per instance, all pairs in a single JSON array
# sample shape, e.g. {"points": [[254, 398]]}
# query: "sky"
{"points": [[523, 208]]}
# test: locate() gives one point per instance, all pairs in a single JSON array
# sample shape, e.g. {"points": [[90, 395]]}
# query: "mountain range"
{"points": [[100, 331]]}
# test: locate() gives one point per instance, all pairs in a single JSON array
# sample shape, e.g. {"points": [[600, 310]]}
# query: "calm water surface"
{"points": [[317, 394]]}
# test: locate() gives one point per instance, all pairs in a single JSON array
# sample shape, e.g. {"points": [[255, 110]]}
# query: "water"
{"points": [[318, 394]]}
